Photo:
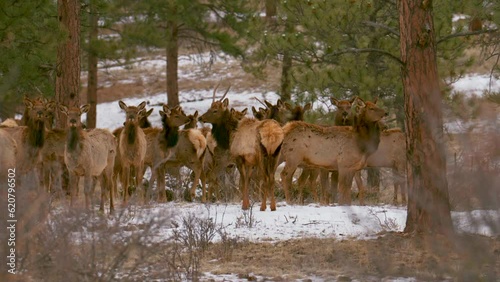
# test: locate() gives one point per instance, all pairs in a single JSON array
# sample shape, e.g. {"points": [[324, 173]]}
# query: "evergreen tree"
{"points": [[202, 25], [28, 40]]}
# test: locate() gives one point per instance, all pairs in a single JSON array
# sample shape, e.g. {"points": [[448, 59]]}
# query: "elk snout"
{"points": [[72, 122], [344, 114]]}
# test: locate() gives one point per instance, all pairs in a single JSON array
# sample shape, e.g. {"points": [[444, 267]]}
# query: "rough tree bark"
{"points": [[92, 68], [68, 58], [428, 200]]}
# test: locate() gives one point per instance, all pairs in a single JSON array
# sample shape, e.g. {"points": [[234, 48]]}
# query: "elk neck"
{"points": [[130, 131], [222, 129], [36, 133], [368, 135], [73, 138], [170, 134]]}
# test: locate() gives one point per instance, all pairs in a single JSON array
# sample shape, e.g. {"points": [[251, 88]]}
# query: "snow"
{"points": [[477, 85]]}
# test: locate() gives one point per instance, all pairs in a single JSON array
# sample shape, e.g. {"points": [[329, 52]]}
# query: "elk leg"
{"points": [[103, 191], [334, 183], [305, 175], [73, 183], [345, 183], [286, 179], [125, 181], [197, 174], [361, 187], [312, 184], [323, 195], [87, 190]]}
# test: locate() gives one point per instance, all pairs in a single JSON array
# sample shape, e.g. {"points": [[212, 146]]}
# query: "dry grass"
{"points": [[468, 258]]}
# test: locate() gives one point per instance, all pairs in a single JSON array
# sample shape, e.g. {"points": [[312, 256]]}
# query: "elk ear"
{"points": [[375, 100], [142, 105], [225, 102], [244, 112], [307, 107], [360, 103], [195, 115], [84, 109], [288, 106], [63, 109], [50, 105], [334, 101], [353, 99], [269, 105], [28, 102], [279, 103], [254, 111], [123, 106], [162, 113], [165, 108], [148, 113]]}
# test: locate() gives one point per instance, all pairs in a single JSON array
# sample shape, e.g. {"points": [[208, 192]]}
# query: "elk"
{"points": [[391, 153], [118, 169], [160, 144], [345, 149], [218, 164], [251, 144], [190, 152], [91, 154], [7, 157], [132, 146], [30, 139]]}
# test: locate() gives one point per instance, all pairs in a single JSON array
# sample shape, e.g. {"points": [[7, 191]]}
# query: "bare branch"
{"points": [[382, 26]]}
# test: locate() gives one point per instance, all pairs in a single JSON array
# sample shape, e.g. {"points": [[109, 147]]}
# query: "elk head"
{"points": [[133, 113], [74, 114], [173, 117], [297, 112], [143, 120], [35, 110], [368, 111], [344, 115], [216, 112], [193, 121]]}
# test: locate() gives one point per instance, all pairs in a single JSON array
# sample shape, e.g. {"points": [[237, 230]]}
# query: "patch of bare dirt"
{"points": [[467, 258]]}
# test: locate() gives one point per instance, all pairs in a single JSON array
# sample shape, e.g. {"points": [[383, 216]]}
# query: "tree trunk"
{"points": [[271, 12], [92, 68], [68, 58], [172, 57], [286, 68], [428, 200]]}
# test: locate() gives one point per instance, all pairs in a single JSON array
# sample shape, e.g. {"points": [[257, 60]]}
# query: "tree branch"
{"points": [[366, 50], [382, 26], [466, 33]]}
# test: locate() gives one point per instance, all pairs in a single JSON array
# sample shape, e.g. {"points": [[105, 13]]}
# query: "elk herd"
{"points": [[254, 146]]}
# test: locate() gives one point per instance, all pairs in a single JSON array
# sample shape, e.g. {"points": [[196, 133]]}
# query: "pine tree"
{"points": [[202, 25], [28, 40]]}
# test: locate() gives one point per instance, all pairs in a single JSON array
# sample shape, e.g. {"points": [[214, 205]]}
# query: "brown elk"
{"points": [[218, 163], [251, 143], [91, 154], [190, 152], [391, 153], [160, 144], [345, 149], [30, 139], [118, 169], [132, 146], [7, 157]]}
